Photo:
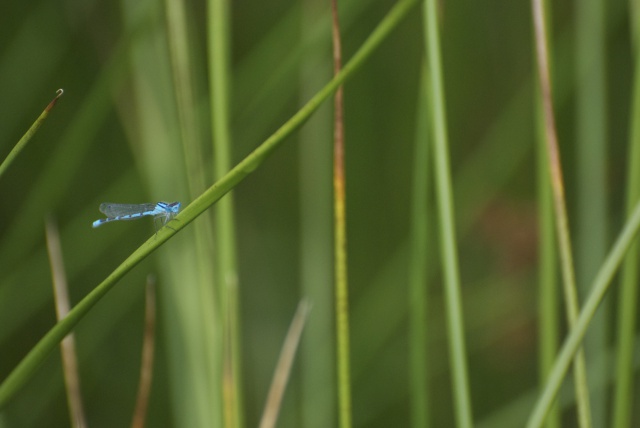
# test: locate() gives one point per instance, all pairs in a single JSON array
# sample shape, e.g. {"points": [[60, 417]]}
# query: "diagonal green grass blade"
{"points": [[36, 356]]}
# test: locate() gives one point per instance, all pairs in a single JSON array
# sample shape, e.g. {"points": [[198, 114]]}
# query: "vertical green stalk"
{"points": [[317, 350], [342, 301], [340, 235], [628, 297], [225, 257], [419, 259], [591, 239], [455, 323], [548, 304], [562, 222]]}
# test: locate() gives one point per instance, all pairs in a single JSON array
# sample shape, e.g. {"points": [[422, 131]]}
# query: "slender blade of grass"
{"points": [[225, 236], [68, 344], [548, 302], [283, 369], [343, 340], [559, 203], [548, 305], [448, 245], [29, 134]]}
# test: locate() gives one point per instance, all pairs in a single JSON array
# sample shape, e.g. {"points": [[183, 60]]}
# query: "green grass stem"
{"points": [[343, 337], [548, 306], [448, 245], [225, 235], [29, 134], [548, 302], [560, 209]]}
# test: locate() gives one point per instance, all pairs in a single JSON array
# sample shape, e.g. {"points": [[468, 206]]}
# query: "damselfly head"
{"points": [[174, 207]]}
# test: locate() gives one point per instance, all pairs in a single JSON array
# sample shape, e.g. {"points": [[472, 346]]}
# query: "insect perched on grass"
{"points": [[164, 211]]}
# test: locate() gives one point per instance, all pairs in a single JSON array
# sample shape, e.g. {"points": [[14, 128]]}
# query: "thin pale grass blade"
{"points": [[67, 346], [548, 295], [283, 368], [29, 134], [148, 346]]}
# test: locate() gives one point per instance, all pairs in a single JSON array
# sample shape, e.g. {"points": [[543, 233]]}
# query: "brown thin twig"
{"points": [[146, 369], [283, 369], [562, 223], [67, 346]]}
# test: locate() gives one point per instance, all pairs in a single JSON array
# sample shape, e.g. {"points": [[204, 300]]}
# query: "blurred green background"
{"points": [[115, 136]]}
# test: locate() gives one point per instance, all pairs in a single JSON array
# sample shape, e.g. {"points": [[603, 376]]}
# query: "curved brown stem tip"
{"points": [[59, 93]]}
